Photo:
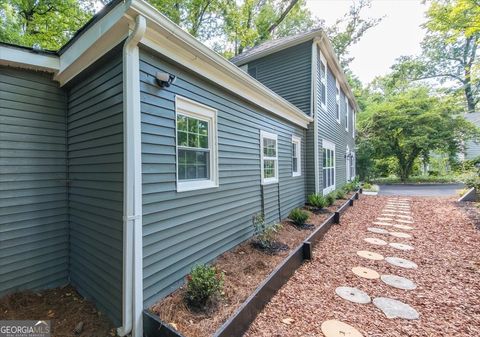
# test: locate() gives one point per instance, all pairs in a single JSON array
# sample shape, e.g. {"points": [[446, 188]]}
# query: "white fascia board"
{"points": [[168, 39], [17, 57], [95, 42]]}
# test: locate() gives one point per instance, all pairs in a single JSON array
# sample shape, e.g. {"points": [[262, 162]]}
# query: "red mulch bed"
{"points": [[447, 252], [244, 268], [64, 307]]}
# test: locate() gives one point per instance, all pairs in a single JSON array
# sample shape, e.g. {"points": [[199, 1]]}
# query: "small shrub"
{"points": [[330, 198], [265, 235], [317, 200], [298, 216], [349, 187], [204, 286], [339, 194], [472, 179], [367, 186]]}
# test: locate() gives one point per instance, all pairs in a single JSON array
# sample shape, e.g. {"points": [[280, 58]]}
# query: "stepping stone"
{"points": [[399, 262], [395, 309], [381, 223], [334, 328], [375, 241], [400, 235], [398, 282], [400, 246], [385, 219], [370, 255], [366, 273], [377, 230], [354, 295], [404, 221], [402, 227]]}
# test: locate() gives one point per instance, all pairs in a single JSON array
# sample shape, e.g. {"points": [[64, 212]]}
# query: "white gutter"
{"points": [[23, 58], [132, 186]]}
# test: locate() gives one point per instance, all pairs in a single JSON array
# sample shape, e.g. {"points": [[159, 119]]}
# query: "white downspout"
{"points": [[314, 98], [132, 186]]}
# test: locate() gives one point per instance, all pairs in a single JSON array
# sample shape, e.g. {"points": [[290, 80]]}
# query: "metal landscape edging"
{"points": [[239, 322]]}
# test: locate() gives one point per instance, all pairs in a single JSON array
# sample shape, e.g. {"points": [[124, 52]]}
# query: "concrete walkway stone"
{"points": [[395, 309], [398, 282], [354, 295], [334, 328], [399, 262]]}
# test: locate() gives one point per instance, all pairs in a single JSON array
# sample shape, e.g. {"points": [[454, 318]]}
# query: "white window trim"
{"points": [[330, 146], [188, 107], [347, 112], [268, 135], [323, 79], [337, 102], [298, 143]]}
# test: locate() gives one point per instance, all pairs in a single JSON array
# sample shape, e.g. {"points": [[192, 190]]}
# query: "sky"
{"points": [[399, 33]]}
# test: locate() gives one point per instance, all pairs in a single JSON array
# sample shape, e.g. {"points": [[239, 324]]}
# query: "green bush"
{"points": [[298, 216], [317, 200], [204, 286], [471, 179], [367, 186], [339, 194], [330, 198], [349, 187], [265, 234]]}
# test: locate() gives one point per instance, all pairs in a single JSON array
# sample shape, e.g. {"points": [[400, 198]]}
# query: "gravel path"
{"points": [[447, 294]]}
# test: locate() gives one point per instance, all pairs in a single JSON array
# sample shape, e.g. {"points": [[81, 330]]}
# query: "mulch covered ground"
{"points": [[64, 307], [447, 297], [244, 268]]}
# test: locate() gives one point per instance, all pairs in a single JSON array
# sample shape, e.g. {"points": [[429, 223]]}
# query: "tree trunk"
{"points": [[282, 16]]}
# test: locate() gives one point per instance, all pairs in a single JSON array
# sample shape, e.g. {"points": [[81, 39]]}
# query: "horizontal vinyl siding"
{"points": [[95, 152], [288, 73], [33, 193], [183, 229], [331, 130]]}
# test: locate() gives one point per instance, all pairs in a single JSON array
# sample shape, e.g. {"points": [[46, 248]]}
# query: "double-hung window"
{"points": [[348, 165], [354, 122], [322, 72], [328, 166], [337, 102], [347, 114], [196, 125], [269, 157], [296, 156]]}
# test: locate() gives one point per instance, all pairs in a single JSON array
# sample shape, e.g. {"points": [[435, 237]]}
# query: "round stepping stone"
{"points": [[381, 223], [400, 246], [354, 295], [398, 282], [399, 262], [385, 219], [365, 273], [375, 241], [402, 227], [400, 235], [395, 309], [334, 328], [377, 230], [370, 255], [404, 221]]}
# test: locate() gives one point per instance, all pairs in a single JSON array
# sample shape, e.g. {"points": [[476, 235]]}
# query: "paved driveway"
{"points": [[428, 190]]}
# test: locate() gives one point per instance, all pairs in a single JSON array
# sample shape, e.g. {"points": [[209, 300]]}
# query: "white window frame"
{"points": [[193, 109], [323, 79], [330, 146], [347, 164], [297, 141], [337, 102], [347, 114], [354, 121], [268, 135]]}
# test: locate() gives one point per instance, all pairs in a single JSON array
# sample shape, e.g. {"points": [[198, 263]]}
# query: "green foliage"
{"points": [[339, 194], [298, 216], [46, 23], [422, 179], [204, 286], [265, 234], [411, 124], [471, 179], [331, 197], [317, 200], [351, 186]]}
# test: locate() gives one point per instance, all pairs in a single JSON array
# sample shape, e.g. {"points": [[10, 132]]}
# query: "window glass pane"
{"points": [[193, 164], [269, 147], [192, 125], [294, 149], [202, 128], [295, 165], [182, 138], [269, 168], [181, 123], [324, 157], [203, 142], [192, 140], [181, 172], [322, 88]]}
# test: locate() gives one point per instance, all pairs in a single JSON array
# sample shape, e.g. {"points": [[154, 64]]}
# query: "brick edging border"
{"points": [[239, 322]]}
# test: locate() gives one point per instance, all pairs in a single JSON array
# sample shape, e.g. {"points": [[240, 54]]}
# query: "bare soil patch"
{"points": [[244, 268], [64, 307], [447, 252]]}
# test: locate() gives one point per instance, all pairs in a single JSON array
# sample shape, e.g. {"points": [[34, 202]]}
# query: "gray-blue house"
{"points": [[135, 152]]}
